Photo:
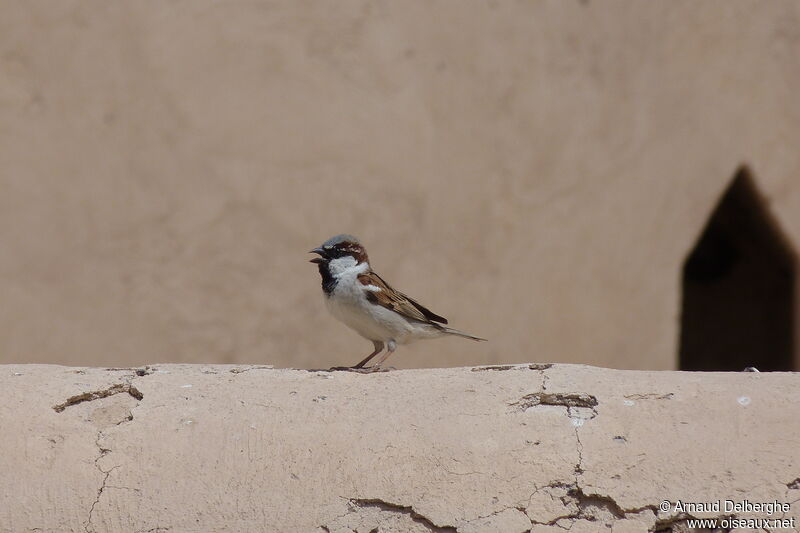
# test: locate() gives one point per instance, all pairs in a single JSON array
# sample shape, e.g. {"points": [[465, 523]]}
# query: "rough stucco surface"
{"points": [[537, 448], [527, 169]]}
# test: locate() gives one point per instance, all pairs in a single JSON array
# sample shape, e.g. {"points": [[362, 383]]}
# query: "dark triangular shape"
{"points": [[738, 288]]}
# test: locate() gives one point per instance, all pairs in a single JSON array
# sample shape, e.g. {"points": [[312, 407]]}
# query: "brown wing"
{"points": [[396, 300]]}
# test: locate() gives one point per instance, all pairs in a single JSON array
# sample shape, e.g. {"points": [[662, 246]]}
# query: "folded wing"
{"points": [[384, 295]]}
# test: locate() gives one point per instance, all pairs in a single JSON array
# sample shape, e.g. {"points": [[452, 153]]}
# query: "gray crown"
{"points": [[338, 239]]}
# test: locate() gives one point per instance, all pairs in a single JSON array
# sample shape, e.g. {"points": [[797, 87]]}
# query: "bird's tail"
{"points": [[452, 331]]}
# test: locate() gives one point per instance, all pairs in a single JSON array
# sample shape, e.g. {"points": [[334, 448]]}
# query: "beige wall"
{"points": [[535, 172], [213, 448]]}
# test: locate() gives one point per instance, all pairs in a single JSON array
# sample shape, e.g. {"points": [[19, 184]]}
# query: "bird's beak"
{"points": [[317, 260]]}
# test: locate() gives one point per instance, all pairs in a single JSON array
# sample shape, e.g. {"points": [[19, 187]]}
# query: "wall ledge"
{"points": [[504, 448]]}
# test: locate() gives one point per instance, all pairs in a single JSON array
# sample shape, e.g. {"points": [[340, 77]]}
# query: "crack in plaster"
{"points": [[545, 378], [402, 509], [119, 388], [106, 473], [608, 503], [96, 395], [518, 508], [588, 507], [579, 448], [563, 399]]}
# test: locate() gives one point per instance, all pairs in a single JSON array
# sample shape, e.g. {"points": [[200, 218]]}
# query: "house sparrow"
{"points": [[359, 297]]}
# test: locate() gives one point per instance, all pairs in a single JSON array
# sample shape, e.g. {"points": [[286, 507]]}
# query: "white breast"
{"points": [[348, 303]]}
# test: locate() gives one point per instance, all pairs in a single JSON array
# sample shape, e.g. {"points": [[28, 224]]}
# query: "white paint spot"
{"points": [[188, 422], [577, 422], [629, 403], [252, 426], [744, 400], [17, 373], [187, 386]]}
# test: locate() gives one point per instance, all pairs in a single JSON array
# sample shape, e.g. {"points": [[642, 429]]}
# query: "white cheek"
{"points": [[341, 265]]}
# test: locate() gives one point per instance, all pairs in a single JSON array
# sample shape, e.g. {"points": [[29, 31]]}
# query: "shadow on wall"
{"points": [[738, 304]]}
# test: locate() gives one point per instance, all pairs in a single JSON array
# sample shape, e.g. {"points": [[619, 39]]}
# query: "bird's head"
{"points": [[337, 255], [339, 247]]}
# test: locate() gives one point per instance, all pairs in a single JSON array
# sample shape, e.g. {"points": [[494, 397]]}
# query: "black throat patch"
{"points": [[328, 281]]}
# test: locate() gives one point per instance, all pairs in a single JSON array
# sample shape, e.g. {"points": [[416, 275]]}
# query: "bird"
{"points": [[357, 296]]}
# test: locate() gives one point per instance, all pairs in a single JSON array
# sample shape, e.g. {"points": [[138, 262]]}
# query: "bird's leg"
{"points": [[378, 349], [391, 347]]}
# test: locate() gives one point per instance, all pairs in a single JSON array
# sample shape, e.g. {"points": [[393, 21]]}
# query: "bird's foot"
{"points": [[375, 368], [343, 369], [362, 370]]}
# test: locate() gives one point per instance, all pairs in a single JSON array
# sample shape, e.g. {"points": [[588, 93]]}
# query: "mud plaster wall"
{"points": [[512, 449]]}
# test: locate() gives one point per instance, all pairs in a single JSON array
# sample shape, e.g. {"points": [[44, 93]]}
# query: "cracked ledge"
{"points": [[601, 510], [588, 507], [119, 388], [562, 448], [406, 510], [87, 527], [579, 399]]}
